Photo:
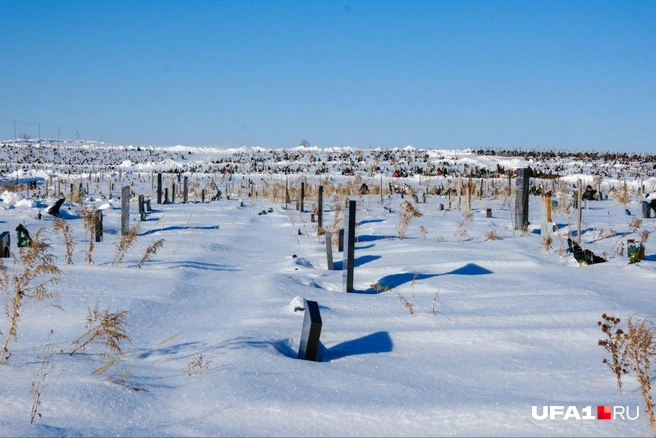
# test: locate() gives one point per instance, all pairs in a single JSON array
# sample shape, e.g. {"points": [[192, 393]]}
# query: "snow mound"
{"points": [[297, 304]]}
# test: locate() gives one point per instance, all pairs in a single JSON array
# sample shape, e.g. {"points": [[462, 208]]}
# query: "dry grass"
{"points": [[379, 287], [633, 350], [108, 328], [127, 240], [634, 225], [436, 298], [39, 378], [198, 365], [407, 213], [123, 378], [461, 232], [89, 219], [491, 235], [547, 242], [407, 304], [60, 226], [34, 272], [621, 195], [151, 251]]}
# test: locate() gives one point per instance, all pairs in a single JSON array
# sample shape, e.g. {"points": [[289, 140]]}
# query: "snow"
{"points": [[498, 326]]}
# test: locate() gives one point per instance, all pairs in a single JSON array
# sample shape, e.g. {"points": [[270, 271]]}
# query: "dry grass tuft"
{"points": [[547, 242], [34, 272], [491, 235], [408, 212], [90, 219], [109, 328], [198, 365], [126, 243], [60, 226], [408, 305], [123, 378], [633, 350], [151, 251], [436, 298]]}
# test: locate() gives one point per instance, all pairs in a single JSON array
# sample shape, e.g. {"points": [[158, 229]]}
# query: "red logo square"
{"points": [[603, 413]]}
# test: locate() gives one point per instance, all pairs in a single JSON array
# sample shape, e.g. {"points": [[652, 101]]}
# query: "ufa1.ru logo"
{"points": [[586, 413]]}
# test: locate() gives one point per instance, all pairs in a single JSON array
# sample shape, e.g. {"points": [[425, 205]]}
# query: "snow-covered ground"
{"points": [[459, 328]]}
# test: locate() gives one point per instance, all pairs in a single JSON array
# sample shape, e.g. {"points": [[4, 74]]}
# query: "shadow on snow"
{"points": [[395, 280]]}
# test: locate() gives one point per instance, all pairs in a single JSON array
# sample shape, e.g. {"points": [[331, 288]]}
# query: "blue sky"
{"points": [[563, 75]]}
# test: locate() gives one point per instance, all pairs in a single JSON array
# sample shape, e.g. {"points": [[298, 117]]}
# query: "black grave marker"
{"points": [[329, 250], [521, 199], [5, 244], [99, 226], [159, 188], [349, 238], [142, 211], [309, 346], [320, 210], [125, 210]]}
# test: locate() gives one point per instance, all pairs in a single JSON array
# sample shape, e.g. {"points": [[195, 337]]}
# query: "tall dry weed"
{"points": [[34, 273], [632, 351], [104, 326], [89, 219], [151, 251], [126, 242], [407, 213], [60, 226]]}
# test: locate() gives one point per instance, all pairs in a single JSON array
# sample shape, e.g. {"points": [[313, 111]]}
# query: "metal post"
{"points": [[320, 210], [521, 200], [329, 250], [159, 188], [185, 191], [349, 251], [125, 210]]}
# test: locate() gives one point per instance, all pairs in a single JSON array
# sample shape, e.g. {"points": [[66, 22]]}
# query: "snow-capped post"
{"points": [[302, 196], [185, 190], [159, 188], [309, 346], [521, 199], [99, 226], [125, 210], [5, 244], [349, 238], [320, 211], [329, 250], [173, 192]]}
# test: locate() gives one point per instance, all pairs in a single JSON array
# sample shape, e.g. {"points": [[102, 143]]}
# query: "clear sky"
{"points": [[529, 74]]}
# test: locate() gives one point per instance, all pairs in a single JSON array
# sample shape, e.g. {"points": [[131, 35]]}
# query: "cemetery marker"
{"points": [[309, 346]]}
